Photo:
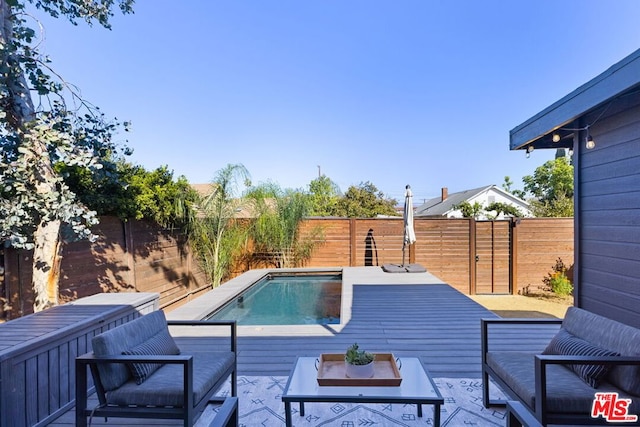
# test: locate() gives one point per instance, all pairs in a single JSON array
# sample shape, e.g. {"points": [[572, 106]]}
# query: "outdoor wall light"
{"points": [[529, 151], [555, 137]]}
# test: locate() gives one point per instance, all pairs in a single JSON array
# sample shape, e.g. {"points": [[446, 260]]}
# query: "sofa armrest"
{"points": [[93, 361], [227, 415], [90, 358], [541, 362], [485, 323], [518, 415], [229, 323]]}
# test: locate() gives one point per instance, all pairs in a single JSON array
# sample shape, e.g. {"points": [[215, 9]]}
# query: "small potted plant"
{"points": [[358, 363]]}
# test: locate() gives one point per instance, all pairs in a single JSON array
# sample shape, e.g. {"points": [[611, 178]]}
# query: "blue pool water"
{"points": [[287, 300]]}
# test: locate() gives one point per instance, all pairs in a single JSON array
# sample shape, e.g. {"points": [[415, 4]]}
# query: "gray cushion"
{"points": [[566, 392], [128, 335], [567, 344], [612, 335], [160, 344], [165, 386]]}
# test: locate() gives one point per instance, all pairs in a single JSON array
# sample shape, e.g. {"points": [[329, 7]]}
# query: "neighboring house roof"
{"points": [[562, 117], [243, 208], [202, 189], [445, 204], [439, 207]]}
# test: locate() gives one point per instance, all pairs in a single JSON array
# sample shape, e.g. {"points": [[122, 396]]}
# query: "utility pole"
{"points": [[319, 174]]}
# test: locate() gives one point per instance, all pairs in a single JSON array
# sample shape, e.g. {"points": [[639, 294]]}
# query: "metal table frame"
{"points": [[417, 387]]}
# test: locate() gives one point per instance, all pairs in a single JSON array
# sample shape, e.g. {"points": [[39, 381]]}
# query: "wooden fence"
{"points": [[475, 257], [131, 256]]}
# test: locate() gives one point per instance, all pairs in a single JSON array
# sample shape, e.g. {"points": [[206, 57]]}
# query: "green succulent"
{"points": [[358, 357]]}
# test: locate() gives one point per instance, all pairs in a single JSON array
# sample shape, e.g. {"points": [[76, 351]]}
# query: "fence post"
{"points": [[472, 256], [513, 256], [352, 244]]}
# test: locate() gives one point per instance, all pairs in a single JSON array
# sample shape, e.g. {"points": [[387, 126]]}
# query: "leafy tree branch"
{"points": [[38, 210]]}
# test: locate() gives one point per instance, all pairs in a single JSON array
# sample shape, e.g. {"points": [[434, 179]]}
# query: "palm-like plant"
{"points": [[214, 233], [275, 232]]}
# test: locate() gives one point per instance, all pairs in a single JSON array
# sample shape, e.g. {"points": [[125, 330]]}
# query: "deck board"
{"points": [[433, 322]]}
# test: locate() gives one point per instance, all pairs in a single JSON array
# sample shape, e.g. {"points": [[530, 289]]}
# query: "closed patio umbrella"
{"points": [[409, 233]]}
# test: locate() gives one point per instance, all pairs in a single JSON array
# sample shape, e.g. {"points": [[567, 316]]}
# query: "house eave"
{"points": [[621, 78]]}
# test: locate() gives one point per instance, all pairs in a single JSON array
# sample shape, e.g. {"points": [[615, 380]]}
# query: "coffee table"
{"points": [[417, 387]]}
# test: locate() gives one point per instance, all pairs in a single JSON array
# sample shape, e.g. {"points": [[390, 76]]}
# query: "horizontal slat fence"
{"points": [[140, 256], [523, 249], [131, 256], [443, 247], [335, 250], [540, 242]]}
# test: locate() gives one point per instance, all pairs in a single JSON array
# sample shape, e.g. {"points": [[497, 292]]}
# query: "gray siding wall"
{"points": [[38, 351], [608, 226]]}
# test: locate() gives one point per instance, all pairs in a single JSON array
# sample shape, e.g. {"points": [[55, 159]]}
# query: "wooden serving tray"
{"points": [[331, 371]]}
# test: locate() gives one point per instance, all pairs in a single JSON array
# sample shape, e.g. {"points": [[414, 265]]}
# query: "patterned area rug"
{"points": [[260, 404]]}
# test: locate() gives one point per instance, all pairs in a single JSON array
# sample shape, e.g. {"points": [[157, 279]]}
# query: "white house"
{"points": [[444, 206]]}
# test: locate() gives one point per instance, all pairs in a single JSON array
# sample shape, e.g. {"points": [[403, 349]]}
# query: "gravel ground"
{"points": [[536, 305]]}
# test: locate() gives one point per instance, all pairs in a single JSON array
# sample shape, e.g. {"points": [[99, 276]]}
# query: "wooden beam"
{"points": [[620, 77]]}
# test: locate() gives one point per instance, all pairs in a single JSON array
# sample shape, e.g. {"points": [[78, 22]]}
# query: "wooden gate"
{"points": [[492, 257]]}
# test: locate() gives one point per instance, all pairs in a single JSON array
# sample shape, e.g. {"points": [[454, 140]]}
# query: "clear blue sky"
{"points": [[416, 92]]}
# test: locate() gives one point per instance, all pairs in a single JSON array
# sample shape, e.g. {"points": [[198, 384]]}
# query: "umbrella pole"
{"points": [[403, 246]]}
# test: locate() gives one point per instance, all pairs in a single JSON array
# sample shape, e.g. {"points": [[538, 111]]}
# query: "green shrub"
{"points": [[557, 281]]}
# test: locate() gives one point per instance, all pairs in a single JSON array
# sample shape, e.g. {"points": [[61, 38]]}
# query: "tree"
{"points": [[324, 195], [275, 232], [469, 210], [129, 191], [38, 210], [552, 188], [213, 231], [476, 210], [154, 195], [503, 209], [507, 186], [365, 201], [560, 207]]}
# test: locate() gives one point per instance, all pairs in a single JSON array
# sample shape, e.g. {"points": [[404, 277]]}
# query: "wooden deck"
{"points": [[432, 322], [405, 314]]}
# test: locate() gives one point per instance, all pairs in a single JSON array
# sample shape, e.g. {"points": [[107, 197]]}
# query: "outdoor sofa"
{"points": [[590, 354], [138, 371]]}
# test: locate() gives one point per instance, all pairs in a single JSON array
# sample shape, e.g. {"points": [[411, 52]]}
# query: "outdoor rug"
{"points": [[260, 404]]}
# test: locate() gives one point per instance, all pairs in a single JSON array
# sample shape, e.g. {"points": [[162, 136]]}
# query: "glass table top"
{"points": [[416, 383]]}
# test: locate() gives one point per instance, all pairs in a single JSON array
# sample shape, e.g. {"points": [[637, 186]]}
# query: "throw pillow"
{"points": [[567, 344], [160, 344]]}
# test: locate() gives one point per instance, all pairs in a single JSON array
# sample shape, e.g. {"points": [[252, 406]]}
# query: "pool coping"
{"points": [[217, 297]]}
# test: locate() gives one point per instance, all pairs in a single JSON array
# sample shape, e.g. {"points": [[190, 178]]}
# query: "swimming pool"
{"points": [[287, 299]]}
